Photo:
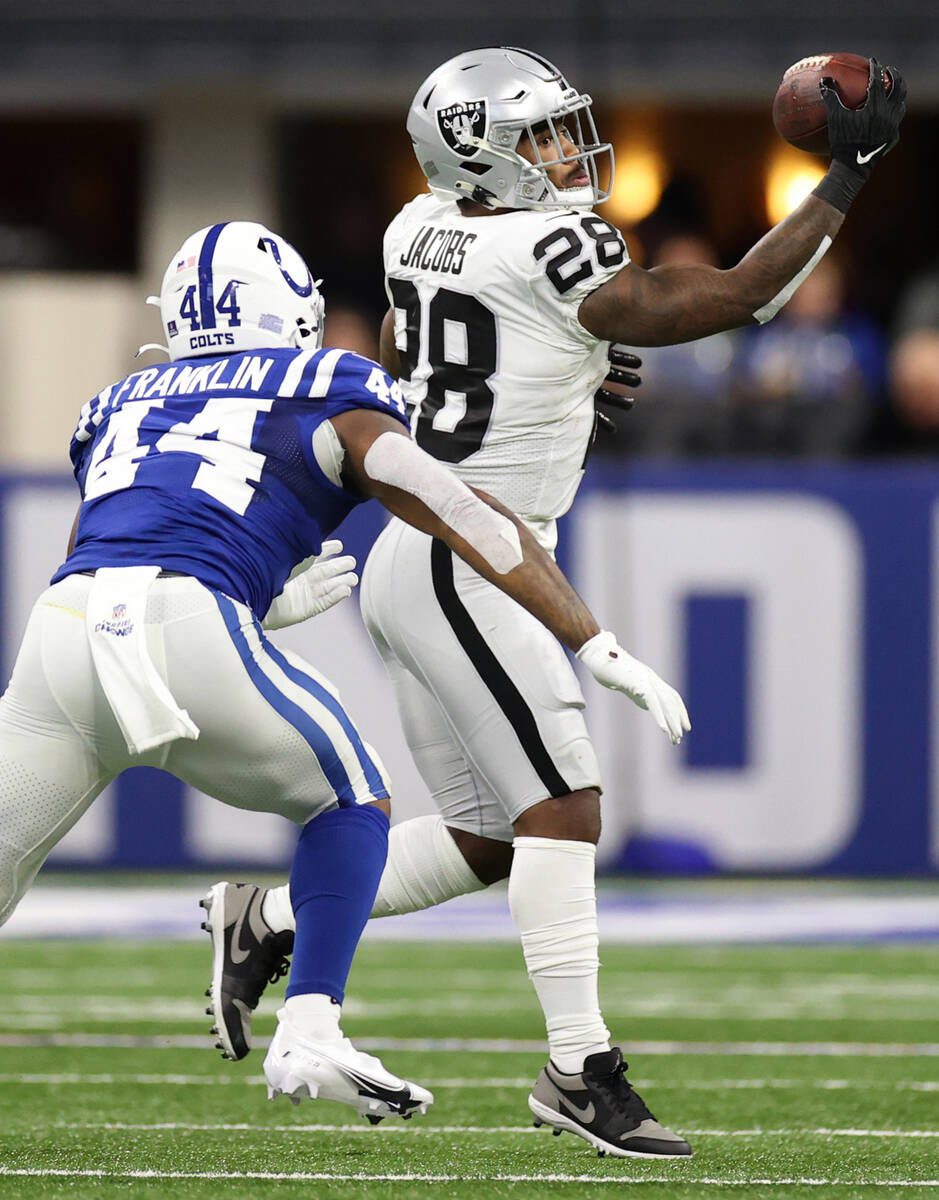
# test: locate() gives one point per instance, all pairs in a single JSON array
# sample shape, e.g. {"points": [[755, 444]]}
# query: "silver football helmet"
{"points": [[468, 117]]}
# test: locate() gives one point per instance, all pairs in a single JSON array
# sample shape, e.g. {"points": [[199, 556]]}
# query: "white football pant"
{"points": [[274, 736], [490, 705]]}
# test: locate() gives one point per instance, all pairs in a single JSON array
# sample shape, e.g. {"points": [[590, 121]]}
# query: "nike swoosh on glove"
{"points": [[860, 137], [615, 668], [313, 587]]}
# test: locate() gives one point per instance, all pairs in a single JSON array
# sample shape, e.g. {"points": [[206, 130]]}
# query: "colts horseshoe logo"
{"points": [[302, 289]]}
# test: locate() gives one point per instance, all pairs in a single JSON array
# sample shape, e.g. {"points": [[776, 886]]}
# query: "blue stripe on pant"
{"points": [[329, 701], [316, 737]]}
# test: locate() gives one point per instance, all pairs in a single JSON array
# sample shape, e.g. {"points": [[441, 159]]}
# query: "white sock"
{"points": [[553, 899], [424, 868], [315, 1015], [277, 910]]}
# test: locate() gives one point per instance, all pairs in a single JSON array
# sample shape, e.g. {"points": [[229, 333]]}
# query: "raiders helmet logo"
{"points": [[457, 122]]}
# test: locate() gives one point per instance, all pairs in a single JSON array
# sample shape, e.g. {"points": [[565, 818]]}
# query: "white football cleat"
{"points": [[297, 1067]]}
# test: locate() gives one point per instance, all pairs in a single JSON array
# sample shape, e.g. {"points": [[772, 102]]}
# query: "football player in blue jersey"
{"points": [[208, 485]]}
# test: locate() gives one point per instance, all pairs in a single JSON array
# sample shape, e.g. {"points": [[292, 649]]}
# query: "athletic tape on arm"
{"points": [[396, 460], [768, 311], [328, 452]]}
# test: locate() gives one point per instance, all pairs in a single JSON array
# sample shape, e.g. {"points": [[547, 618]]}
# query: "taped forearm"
{"points": [[785, 294], [397, 461]]}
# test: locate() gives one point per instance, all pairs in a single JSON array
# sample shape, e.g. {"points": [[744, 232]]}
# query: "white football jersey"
{"points": [[498, 368]]}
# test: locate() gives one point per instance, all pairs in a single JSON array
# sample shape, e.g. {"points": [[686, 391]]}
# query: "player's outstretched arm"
{"points": [[673, 304], [667, 305], [383, 462]]}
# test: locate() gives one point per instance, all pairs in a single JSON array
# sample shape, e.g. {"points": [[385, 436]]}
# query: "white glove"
{"points": [[612, 666], [314, 585]]}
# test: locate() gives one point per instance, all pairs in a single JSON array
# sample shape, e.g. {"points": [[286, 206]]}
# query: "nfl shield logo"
{"points": [[120, 611], [457, 122]]}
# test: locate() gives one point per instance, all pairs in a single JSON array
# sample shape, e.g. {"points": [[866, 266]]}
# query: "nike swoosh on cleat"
{"points": [[864, 158], [586, 1114], [235, 951], [368, 1087]]}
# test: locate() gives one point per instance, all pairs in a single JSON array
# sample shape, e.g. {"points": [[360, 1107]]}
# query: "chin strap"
{"points": [[477, 193], [155, 301]]}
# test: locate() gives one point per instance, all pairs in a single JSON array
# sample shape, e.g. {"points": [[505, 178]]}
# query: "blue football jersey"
{"points": [[206, 466]]}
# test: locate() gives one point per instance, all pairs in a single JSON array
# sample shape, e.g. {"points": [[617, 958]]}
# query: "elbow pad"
{"points": [[398, 461]]}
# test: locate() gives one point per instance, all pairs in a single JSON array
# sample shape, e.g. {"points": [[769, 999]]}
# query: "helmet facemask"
{"points": [[535, 187]]}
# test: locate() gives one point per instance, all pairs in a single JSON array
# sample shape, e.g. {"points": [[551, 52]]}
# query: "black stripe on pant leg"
{"points": [[493, 675]]}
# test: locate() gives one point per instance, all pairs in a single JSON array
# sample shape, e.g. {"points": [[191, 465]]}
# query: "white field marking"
{"points": [[48, 1011], [400, 1127], [146, 978], [414, 1177], [486, 974], [504, 1045], [685, 1085], [175, 1080], [742, 1049], [902, 1085], [115, 1041]]}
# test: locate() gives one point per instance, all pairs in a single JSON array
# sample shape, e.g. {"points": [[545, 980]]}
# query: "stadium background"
{"points": [[776, 541]]}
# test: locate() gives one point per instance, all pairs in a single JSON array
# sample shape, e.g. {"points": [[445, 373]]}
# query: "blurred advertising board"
{"points": [[794, 605]]}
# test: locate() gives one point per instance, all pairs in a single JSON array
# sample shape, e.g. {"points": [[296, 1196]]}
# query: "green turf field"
{"points": [[720, 1040]]}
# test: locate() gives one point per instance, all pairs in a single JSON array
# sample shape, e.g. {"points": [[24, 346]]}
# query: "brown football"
{"points": [[798, 110]]}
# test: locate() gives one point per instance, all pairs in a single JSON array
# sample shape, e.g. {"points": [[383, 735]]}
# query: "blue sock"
{"points": [[335, 875]]}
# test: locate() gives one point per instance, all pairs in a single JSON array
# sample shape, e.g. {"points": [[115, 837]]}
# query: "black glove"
{"points": [[859, 137], [623, 373]]}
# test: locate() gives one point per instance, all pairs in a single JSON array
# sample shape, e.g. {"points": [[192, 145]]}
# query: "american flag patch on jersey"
{"points": [[186, 262]]}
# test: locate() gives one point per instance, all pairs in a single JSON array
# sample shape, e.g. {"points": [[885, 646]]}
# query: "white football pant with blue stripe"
{"points": [[274, 736]]}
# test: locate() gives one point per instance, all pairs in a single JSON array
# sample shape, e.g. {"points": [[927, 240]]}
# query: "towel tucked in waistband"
{"points": [[141, 702]]}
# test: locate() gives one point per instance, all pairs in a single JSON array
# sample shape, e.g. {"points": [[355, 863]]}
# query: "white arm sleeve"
{"points": [[398, 461]]}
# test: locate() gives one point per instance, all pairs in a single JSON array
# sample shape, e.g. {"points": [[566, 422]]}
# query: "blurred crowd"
{"points": [[823, 378]]}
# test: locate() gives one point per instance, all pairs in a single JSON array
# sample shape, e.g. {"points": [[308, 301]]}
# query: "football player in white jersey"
{"points": [[506, 292]]}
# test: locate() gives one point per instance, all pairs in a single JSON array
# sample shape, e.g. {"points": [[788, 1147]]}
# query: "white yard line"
{"points": [[416, 1177], [522, 1081], [156, 1080], [504, 1045], [51, 1013], [400, 1127]]}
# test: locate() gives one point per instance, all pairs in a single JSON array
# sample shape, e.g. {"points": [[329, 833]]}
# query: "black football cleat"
{"points": [[600, 1106], [246, 955]]}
